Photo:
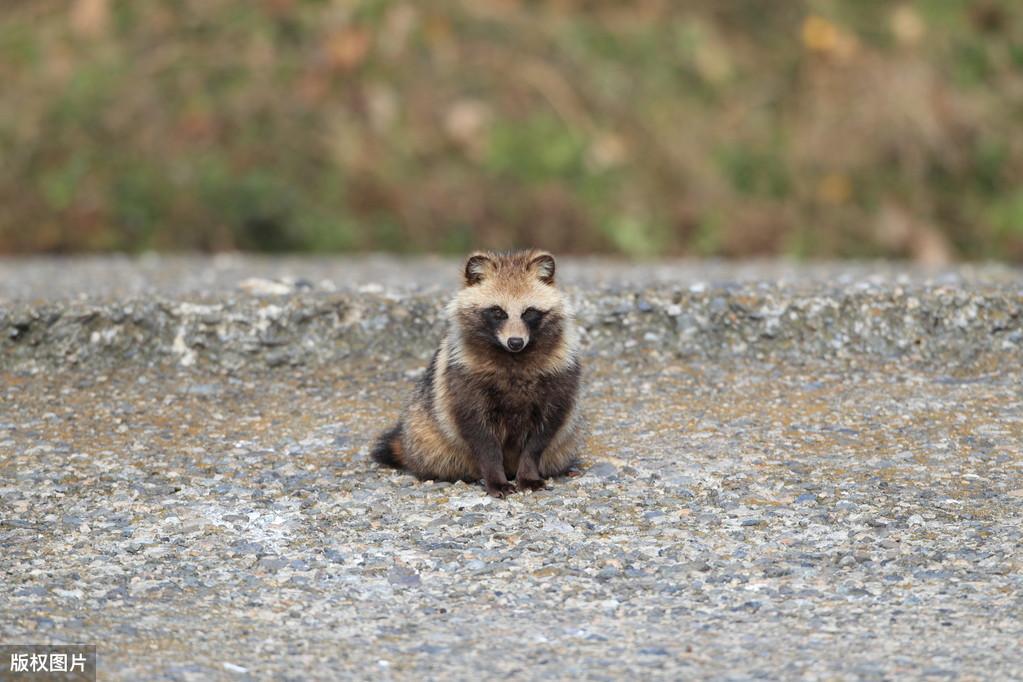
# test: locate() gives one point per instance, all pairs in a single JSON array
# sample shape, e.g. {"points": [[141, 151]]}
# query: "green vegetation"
{"points": [[813, 128]]}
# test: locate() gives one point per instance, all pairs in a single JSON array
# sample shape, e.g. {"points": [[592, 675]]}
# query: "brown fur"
{"points": [[483, 411]]}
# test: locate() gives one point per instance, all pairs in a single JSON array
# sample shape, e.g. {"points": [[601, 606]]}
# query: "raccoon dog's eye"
{"points": [[532, 315], [497, 313]]}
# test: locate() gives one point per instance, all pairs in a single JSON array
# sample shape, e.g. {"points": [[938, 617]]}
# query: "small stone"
{"points": [[334, 556], [258, 286], [401, 575], [273, 563], [244, 547], [604, 470]]}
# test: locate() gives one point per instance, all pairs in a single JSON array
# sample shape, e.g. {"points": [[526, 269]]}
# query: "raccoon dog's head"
{"points": [[509, 304]]}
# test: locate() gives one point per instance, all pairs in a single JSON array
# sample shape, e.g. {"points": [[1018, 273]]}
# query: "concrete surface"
{"points": [[235, 313], [818, 477]]}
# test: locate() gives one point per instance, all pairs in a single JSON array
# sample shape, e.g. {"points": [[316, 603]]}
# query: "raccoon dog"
{"points": [[498, 400]]}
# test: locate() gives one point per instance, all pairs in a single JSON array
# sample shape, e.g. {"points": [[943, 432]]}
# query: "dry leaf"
{"points": [[834, 189], [347, 49], [90, 18], [907, 25], [823, 37]]}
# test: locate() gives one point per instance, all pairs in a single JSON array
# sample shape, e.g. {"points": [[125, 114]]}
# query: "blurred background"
{"points": [[744, 128]]}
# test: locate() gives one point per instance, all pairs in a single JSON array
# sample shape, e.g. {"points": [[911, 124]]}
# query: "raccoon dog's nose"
{"points": [[515, 344]]}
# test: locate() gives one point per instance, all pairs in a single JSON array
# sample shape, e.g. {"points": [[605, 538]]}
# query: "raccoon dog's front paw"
{"points": [[500, 490]]}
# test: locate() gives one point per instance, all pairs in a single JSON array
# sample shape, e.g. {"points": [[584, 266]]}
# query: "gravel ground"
{"points": [[763, 515]]}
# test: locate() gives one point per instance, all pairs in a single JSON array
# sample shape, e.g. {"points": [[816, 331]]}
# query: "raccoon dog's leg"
{"points": [[492, 465], [491, 460], [528, 474], [486, 448], [560, 393]]}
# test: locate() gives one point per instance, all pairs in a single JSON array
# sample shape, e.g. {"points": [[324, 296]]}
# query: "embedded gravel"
{"points": [[760, 514]]}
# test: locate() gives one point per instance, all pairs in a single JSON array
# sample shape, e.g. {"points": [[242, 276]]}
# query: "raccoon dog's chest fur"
{"points": [[498, 400], [516, 405]]}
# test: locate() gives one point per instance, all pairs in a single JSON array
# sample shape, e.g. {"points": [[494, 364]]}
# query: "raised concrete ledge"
{"points": [[232, 329]]}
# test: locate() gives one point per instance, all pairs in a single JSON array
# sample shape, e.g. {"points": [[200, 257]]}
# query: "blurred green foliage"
{"points": [[811, 128]]}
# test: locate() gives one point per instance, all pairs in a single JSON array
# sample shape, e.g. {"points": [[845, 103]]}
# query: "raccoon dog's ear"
{"points": [[476, 268], [543, 266]]}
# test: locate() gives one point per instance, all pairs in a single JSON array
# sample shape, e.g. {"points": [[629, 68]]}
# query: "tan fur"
{"points": [[565, 447], [441, 398], [443, 457], [397, 448]]}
